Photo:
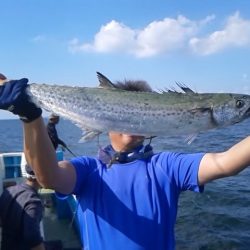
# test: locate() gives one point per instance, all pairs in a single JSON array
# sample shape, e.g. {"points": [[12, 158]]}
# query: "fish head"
{"points": [[233, 109]]}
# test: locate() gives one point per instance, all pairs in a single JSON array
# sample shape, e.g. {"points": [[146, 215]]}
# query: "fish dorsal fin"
{"points": [[104, 81], [185, 88]]}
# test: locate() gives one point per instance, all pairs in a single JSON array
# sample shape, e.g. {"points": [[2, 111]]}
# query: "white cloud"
{"points": [[165, 36], [39, 38], [235, 34], [156, 38], [113, 37]]}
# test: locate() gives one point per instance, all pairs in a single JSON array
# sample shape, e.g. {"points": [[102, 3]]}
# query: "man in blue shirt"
{"points": [[128, 196]]}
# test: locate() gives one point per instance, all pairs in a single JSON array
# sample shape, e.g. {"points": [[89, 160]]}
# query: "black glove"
{"points": [[13, 97]]}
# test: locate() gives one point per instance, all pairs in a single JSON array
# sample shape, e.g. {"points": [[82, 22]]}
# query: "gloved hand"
{"points": [[13, 97]]}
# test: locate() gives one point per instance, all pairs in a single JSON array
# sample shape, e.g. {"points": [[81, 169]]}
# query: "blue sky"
{"points": [[204, 44]]}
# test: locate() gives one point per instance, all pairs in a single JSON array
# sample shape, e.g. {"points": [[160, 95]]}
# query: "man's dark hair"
{"points": [[131, 85], [30, 173]]}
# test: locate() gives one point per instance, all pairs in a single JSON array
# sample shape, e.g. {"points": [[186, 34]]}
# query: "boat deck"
{"points": [[58, 228]]}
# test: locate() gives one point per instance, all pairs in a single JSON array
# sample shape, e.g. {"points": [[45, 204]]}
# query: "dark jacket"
{"points": [[51, 128], [21, 211]]}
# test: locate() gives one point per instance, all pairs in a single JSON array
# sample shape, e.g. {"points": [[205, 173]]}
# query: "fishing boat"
{"points": [[59, 223]]}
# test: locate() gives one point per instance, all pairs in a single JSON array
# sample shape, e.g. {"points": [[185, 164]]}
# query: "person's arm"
{"points": [[61, 142], [32, 216], [38, 148], [40, 154], [224, 164]]}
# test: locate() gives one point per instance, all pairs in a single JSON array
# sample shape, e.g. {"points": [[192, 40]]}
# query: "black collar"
{"points": [[109, 156]]}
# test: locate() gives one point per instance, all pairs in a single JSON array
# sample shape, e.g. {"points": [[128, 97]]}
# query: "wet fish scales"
{"points": [[100, 110]]}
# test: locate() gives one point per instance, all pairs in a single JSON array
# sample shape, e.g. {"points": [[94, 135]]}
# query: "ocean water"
{"points": [[218, 219]]}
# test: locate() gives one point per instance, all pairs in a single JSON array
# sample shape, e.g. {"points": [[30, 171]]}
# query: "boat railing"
{"points": [[12, 167], [12, 171]]}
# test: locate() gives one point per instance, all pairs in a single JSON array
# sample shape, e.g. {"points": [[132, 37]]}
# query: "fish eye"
{"points": [[240, 103]]}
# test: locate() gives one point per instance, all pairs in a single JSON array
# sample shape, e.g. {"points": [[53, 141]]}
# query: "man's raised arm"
{"points": [[38, 148], [228, 163]]}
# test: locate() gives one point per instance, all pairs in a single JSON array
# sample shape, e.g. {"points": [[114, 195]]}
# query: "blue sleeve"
{"points": [[182, 169], [84, 166]]}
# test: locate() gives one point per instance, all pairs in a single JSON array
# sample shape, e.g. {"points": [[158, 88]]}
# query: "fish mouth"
{"points": [[248, 112], [245, 116]]}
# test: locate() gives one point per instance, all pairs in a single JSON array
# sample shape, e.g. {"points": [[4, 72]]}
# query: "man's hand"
{"points": [[13, 97]]}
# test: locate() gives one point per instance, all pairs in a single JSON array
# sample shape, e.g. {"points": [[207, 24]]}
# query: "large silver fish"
{"points": [[106, 108]]}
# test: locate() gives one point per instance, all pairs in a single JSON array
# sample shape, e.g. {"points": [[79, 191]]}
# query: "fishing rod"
{"points": [[66, 147]]}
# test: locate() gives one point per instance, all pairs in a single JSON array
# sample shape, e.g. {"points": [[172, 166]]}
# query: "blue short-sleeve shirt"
{"points": [[133, 205]]}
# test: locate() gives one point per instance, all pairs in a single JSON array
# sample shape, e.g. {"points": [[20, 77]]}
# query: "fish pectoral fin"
{"points": [[89, 135], [200, 110], [104, 81]]}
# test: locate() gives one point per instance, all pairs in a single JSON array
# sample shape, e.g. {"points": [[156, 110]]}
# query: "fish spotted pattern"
{"points": [[106, 108]]}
